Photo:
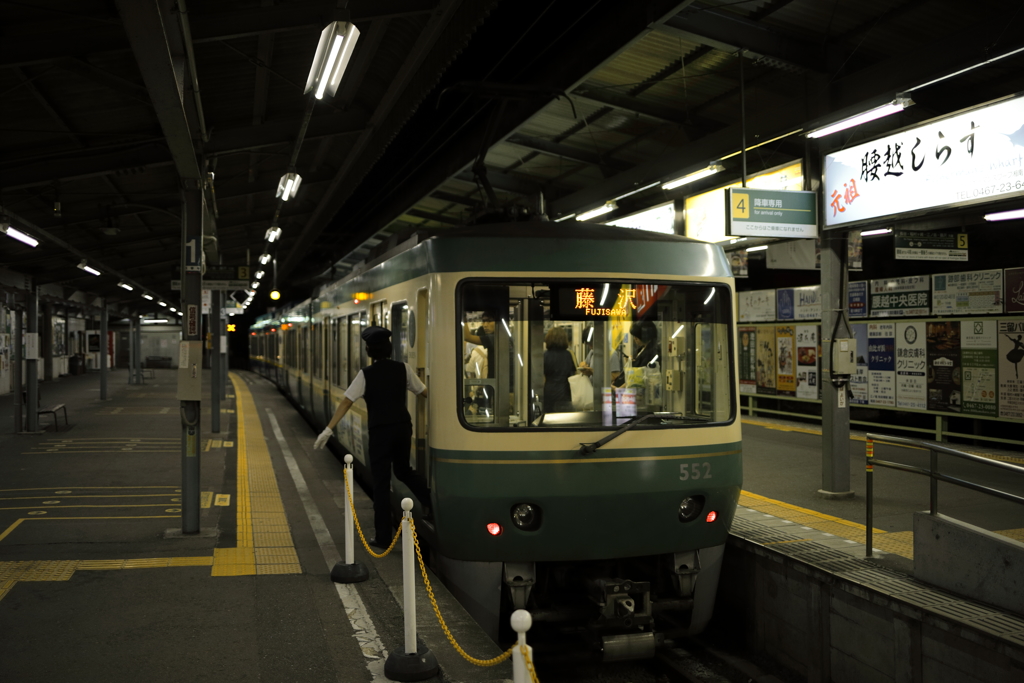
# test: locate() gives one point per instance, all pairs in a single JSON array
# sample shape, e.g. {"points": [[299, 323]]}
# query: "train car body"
{"points": [[604, 512]]}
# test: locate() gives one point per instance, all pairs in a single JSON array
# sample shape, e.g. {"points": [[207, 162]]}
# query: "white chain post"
{"points": [[350, 527], [521, 623], [408, 578]]}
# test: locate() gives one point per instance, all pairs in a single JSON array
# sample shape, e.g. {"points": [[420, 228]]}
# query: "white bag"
{"points": [[582, 392]]}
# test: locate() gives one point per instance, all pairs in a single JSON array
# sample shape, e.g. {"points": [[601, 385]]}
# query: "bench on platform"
{"points": [[53, 411]]}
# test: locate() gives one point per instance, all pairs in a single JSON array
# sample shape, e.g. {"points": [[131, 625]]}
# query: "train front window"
{"points": [[563, 354]]}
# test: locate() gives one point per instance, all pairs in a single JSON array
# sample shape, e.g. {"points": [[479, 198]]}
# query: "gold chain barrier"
{"points": [[430, 593]]}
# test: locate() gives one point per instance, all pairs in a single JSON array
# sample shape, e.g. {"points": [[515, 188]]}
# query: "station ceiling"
{"points": [[450, 111]]}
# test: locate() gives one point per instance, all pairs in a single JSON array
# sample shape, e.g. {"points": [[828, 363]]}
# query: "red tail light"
{"points": [[494, 529], [712, 516]]}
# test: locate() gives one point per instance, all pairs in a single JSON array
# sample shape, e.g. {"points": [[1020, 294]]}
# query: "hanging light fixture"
{"points": [[896, 106], [333, 52], [14, 233], [712, 168], [608, 207], [84, 265], [273, 233], [288, 185]]}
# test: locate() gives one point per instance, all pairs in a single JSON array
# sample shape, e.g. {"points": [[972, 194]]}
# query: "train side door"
{"points": [[419, 342]]}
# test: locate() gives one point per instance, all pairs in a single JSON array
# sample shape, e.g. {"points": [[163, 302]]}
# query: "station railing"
{"points": [[932, 472]]}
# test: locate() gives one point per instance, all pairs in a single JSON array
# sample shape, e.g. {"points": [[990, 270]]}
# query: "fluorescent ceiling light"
{"points": [[255, 284], [147, 297], [265, 259], [124, 285], [872, 233], [599, 211], [333, 52], [153, 321], [260, 274], [713, 168], [162, 303], [172, 309], [760, 248], [288, 185], [1004, 215], [897, 105], [564, 218], [84, 265], [273, 233], [16, 234]]}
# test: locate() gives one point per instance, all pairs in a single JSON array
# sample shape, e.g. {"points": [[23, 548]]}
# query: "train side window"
{"points": [[354, 328], [400, 331]]}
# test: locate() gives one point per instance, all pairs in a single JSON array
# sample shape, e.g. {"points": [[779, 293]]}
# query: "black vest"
{"points": [[385, 393]]}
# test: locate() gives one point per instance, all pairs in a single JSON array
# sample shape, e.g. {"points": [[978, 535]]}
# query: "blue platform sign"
{"points": [[784, 304], [857, 299]]}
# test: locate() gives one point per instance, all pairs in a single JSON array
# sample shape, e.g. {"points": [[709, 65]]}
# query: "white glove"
{"points": [[321, 440]]}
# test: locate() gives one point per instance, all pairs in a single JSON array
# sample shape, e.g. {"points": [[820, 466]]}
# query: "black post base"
{"points": [[417, 667], [349, 573]]}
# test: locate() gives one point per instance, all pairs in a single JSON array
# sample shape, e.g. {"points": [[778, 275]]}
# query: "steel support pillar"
{"points": [[190, 356], [215, 361], [32, 361], [835, 406], [16, 359], [103, 350]]}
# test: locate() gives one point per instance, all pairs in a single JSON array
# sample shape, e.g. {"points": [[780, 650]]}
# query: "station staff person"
{"points": [[383, 385]]}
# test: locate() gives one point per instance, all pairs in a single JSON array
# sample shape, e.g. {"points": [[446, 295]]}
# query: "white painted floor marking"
{"points": [[362, 624]]}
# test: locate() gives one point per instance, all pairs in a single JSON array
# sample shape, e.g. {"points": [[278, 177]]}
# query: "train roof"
{"points": [[532, 246]]}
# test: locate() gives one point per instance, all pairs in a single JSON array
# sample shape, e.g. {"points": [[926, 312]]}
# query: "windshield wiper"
{"points": [[589, 448]]}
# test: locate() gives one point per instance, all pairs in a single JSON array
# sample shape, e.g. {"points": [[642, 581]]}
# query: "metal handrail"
{"points": [[932, 472]]}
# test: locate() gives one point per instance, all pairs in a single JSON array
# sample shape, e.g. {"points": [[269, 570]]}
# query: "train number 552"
{"points": [[695, 470]]}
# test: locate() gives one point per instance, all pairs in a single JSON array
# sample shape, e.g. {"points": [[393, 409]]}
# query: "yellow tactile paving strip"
{"points": [[855, 437], [896, 542], [265, 544]]}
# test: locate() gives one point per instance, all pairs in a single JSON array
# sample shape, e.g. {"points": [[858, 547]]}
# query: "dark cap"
{"points": [[376, 335]]}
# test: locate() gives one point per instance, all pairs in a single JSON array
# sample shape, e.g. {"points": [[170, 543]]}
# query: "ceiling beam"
{"points": [[567, 152], [164, 75], [21, 48], [730, 33]]}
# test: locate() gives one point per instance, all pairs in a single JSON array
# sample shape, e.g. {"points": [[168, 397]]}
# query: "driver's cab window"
{"points": [[593, 355]]}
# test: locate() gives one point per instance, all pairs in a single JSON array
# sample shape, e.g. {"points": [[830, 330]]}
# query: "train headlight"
{"points": [[526, 516], [690, 508]]}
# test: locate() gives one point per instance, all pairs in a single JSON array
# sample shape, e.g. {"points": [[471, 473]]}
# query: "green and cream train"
{"points": [[605, 512]]}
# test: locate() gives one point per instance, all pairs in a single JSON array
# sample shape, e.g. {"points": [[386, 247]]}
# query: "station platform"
{"points": [[98, 582]]}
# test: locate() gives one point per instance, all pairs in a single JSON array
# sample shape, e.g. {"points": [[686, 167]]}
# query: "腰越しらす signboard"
{"points": [[967, 158]]}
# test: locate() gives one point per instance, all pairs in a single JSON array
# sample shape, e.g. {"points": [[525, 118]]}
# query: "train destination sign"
{"points": [[770, 213]]}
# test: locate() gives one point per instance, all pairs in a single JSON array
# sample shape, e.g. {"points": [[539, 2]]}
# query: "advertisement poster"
{"points": [[911, 366], [785, 336], [738, 262], [757, 306], [807, 361], [979, 361], [972, 293], [784, 304], [882, 364], [965, 158], [748, 359], [766, 360], [857, 299], [859, 382], [901, 297], [1013, 279], [1011, 374], [944, 393], [807, 303]]}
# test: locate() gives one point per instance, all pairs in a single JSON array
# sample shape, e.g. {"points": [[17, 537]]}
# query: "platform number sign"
{"points": [[740, 205], [192, 256]]}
